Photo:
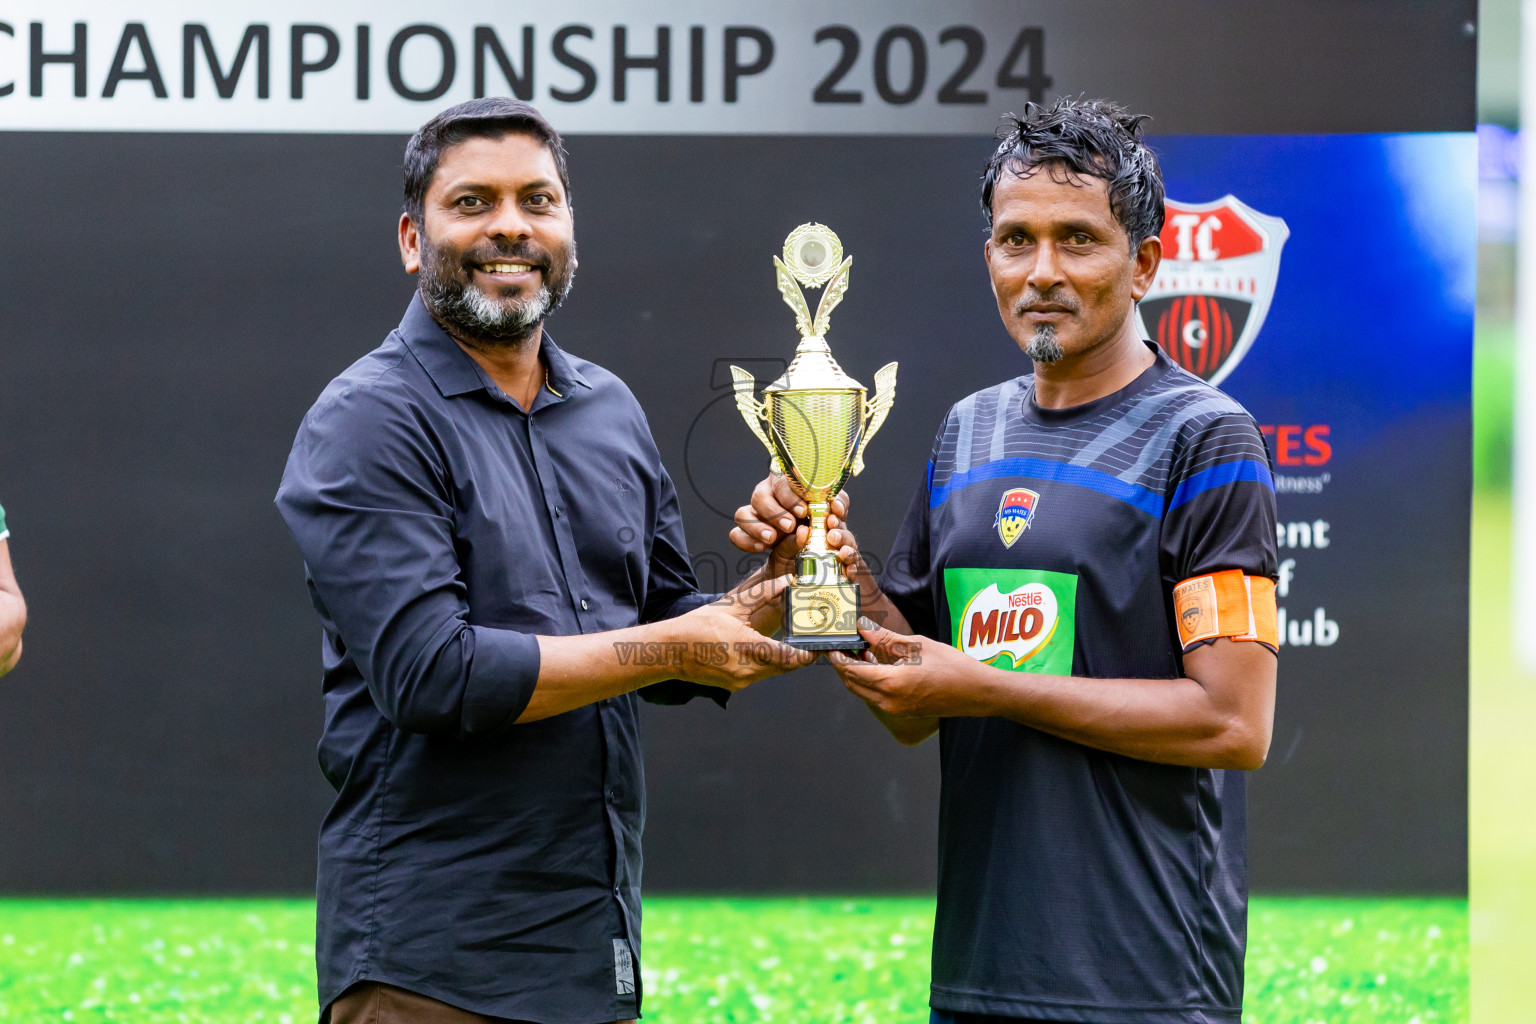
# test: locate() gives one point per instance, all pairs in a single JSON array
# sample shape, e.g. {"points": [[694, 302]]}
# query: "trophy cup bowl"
{"points": [[815, 434], [815, 421]]}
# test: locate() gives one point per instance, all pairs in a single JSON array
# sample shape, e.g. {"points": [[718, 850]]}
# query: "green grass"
{"points": [[707, 961], [1362, 961], [134, 961]]}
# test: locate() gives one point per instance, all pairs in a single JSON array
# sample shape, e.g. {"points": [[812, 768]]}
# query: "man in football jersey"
{"points": [[1080, 601]]}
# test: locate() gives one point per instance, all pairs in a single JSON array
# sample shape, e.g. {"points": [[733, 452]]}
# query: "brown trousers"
{"points": [[369, 1002]]}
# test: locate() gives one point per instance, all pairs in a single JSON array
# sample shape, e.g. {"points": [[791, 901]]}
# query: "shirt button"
{"points": [[583, 604]]}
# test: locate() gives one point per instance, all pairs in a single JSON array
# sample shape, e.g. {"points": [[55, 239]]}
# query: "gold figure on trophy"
{"points": [[815, 422]]}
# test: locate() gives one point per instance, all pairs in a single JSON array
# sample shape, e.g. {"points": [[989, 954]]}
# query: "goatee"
{"points": [[1043, 347]]}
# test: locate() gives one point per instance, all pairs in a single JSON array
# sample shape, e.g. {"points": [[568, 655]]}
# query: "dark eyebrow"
{"points": [[477, 186], [1070, 227]]}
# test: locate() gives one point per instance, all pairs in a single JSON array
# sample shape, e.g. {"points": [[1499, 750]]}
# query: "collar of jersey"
{"points": [[1032, 411]]}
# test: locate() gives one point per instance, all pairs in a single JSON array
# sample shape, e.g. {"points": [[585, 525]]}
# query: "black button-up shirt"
{"points": [[489, 865]]}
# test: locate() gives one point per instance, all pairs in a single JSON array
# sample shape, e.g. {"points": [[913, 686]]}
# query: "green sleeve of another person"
{"points": [[4, 533]]}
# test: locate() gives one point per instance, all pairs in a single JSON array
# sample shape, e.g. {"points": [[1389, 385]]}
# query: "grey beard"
{"points": [[1043, 347], [471, 314], [477, 316]]}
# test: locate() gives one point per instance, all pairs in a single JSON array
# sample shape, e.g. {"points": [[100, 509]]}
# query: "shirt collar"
{"points": [[562, 375], [455, 373]]}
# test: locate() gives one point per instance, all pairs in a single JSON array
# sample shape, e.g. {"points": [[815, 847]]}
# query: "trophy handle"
{"points": [[753, 411], [836, 289], [793, 296], [879, 408]]}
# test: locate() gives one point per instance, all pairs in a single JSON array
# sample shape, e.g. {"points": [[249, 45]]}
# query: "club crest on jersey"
{"points": [[1220, 264], [1015, 512]]}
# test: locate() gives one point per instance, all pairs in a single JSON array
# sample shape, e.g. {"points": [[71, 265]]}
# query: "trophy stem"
{"points": [[817, 543], [815, 563], [821, 607]]}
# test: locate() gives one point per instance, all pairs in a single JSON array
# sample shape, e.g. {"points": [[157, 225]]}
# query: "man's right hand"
{"points": [[720, 645], [775, 521]]}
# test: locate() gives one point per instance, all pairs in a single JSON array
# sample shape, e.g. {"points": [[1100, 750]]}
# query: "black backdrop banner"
{"points": [[182, 275]]}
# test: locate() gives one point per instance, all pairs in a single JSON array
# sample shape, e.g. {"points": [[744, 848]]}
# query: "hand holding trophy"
{"points": [[815, 421]]}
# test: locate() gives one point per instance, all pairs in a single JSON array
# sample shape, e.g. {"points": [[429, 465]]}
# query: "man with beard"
{"points": [[1080, 602], [497, 558]]}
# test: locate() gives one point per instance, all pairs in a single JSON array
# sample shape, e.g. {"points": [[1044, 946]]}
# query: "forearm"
{"points": [[13, 612], [909, 732], [575, 671], [875, 606], [1168, 721], [13, 619]]}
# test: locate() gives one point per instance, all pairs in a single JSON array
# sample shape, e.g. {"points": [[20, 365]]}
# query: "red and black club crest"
{"points": [[1213, 289]]}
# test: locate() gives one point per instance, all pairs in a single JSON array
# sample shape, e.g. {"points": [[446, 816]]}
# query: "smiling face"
{"points": [[495, 248], [1062, 268]]}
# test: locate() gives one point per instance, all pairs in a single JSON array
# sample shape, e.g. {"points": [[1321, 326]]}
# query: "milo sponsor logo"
{"points": [[1019, 619], [1016, 624]]}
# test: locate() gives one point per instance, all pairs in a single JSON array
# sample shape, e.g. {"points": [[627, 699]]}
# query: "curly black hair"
{"points": [[492, 117], [1084, 139]]}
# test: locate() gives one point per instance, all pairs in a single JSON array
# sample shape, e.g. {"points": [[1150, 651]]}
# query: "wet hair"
{"points": [[492, 117], [1083, 139]]}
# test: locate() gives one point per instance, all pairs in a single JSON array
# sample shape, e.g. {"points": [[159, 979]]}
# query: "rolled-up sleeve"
{"points": [[366, 497]]}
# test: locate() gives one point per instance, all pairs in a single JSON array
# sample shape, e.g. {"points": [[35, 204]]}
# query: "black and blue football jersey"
{"points": [[1075, 884]]}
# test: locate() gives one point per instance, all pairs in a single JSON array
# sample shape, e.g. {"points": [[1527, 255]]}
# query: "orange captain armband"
{"points": [[1227, 603]]}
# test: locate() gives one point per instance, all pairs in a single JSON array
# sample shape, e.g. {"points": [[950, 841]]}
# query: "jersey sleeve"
{"points": [[1221, 505], [1218, 536], [4, 531]]}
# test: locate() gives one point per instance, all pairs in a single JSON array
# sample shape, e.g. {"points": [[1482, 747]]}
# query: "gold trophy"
{"points": [[815, 422]]}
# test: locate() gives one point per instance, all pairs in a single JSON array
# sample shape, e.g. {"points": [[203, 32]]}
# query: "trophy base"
{"points": [[848, 645], [823, 615]]}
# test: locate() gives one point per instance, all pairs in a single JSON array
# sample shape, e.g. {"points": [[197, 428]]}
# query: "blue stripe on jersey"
{"points": [[1060, 472], [1220, 476]]}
